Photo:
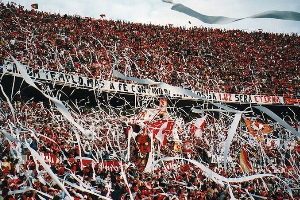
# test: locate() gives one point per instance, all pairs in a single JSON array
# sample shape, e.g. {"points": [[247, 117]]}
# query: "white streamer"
{"points": [[278, 119], [231, 133], [59, 105], [214, 176], [176, 90], [9, 103], [273, 14], [36, 156]]}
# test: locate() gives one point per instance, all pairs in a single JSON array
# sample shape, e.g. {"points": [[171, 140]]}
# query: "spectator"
{"points": [[231, 61]]}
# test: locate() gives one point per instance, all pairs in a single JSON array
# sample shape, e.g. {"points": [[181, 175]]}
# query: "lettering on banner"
{"points": [[225, 97], [275, 99], [61, 77], [156, 91], [133, 88], [86, 82], [125, 87], [96, 84], [263, 99], [36, 74], [243, 98], [101, 84], [90, 83], [212, 96], [73, 80], [68, 78], [80, 81], [112, 87], [122, 87], [52, 74], [140, 89]]}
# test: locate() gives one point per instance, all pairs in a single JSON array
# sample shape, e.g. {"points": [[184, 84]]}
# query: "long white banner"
{"points": [[271, 14], [74, 80]]}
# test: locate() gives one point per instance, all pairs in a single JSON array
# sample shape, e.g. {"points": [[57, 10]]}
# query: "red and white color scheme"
{"points": [[61, 78]]}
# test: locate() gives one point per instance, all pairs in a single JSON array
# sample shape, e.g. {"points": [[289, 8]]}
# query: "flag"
{"points": [[244, 161], [272, 14], [160, 136], [163, 103], [198, 126], [144, 143], [145, 115], [161, 129], [256, 128], [35, 6]]}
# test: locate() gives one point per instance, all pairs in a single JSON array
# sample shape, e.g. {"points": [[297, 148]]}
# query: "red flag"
{"points": [[244, 161], [163, 103], [35, 6], [144, 143], [160, 136], [257, 128], [198, 126], [156, 126]]}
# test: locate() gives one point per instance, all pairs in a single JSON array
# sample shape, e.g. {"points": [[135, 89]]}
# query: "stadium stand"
{"points": [[55, 143], [105, 154], [217, 60]]}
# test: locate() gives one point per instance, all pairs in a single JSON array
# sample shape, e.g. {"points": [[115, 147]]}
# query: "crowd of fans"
{"points": [[61, 145], [217, 60], [109, 158]]}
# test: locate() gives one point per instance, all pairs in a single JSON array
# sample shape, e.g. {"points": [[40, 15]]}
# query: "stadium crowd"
{"points": [[41, 127], [231, 61], [109, 158]]}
